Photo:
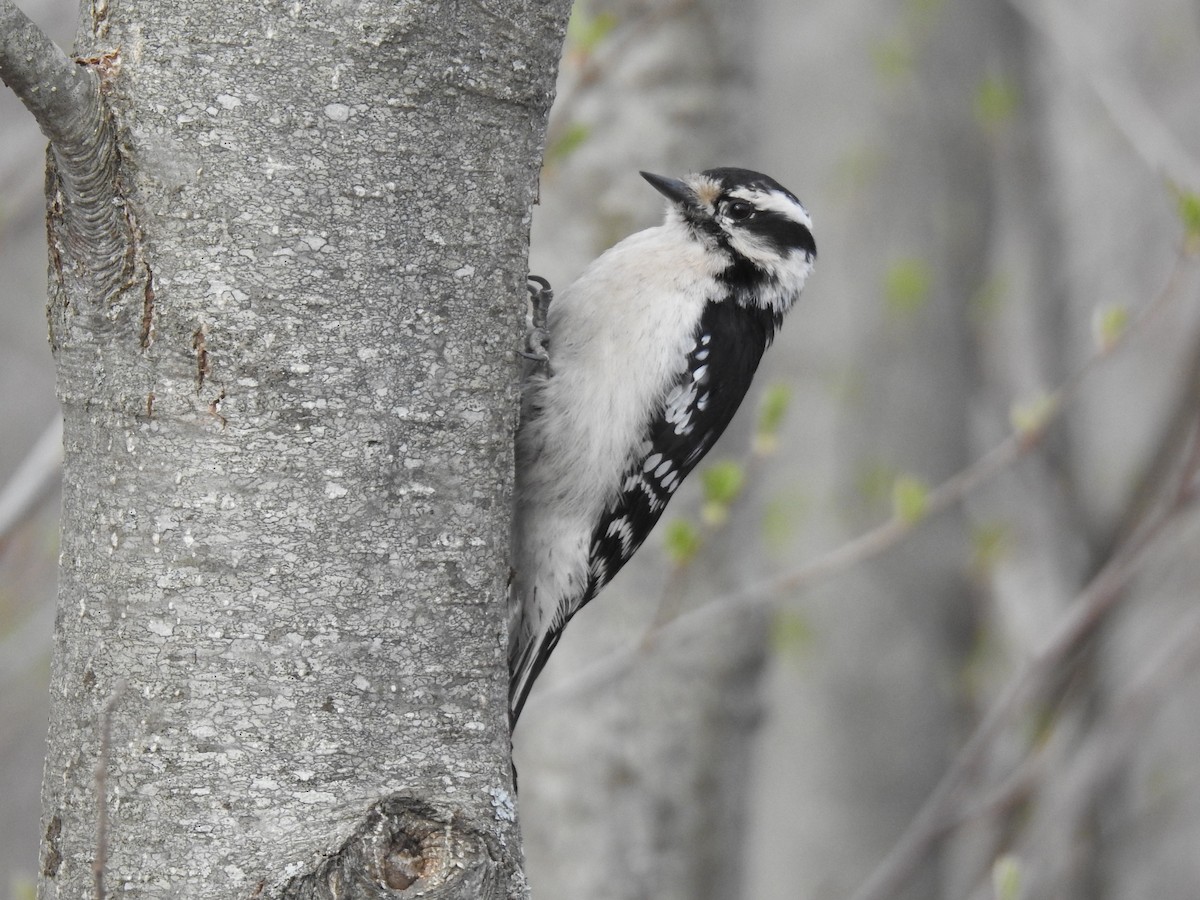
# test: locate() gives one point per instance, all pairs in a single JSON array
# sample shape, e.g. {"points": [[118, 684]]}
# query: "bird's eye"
{"points": [[738, 210]]}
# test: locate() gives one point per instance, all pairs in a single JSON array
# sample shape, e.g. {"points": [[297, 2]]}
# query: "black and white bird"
{"points": [[650, 352]]}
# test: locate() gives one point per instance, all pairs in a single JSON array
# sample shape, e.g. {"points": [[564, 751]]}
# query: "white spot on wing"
{"points": [[599, 569], [623, 531], [680, 402], [645, 487]]}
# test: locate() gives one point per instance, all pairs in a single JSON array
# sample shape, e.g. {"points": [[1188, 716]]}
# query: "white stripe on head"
{"points": [[775, 201]]}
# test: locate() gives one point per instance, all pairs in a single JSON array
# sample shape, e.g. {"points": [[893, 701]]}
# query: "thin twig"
{"points": [[1079, 622]]}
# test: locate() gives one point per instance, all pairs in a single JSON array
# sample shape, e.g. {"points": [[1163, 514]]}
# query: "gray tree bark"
{"points": [[279, 664]]}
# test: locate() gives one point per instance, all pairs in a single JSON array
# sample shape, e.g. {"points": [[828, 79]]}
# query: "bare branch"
{"points": [[1076, 625], [65, 99], [53, 87], [941, 811], [1164, 462], [1123, 729]]}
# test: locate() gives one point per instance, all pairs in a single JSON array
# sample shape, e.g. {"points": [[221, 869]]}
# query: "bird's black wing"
{"points": [[726, 349], [728, 344]]}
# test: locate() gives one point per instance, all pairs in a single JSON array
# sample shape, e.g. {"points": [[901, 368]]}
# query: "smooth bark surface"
{"points": [[279, 663]]}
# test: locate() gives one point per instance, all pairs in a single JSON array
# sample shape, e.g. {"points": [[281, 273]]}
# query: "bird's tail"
{"points": [[527, 657]]}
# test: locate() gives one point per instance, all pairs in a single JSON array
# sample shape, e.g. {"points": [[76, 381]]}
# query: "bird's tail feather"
{"points": [[526, 661]]}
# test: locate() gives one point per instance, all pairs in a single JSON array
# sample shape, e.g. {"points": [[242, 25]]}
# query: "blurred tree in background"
{"points": [[976, 675]]}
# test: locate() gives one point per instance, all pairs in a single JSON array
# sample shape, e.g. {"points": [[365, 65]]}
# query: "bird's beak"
{"points": [[671, 188]]}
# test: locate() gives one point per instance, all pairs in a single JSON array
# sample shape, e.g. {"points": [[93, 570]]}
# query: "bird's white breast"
{"points": [[621, 334]]}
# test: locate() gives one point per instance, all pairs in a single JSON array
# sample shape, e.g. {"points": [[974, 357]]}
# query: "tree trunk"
{"points": [[279, 664]]}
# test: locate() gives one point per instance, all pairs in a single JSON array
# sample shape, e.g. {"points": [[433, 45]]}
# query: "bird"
{"points": [[636, 371]]}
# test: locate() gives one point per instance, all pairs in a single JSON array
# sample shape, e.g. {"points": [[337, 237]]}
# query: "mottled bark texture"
{"points": [[638, 788], [288, 453]]}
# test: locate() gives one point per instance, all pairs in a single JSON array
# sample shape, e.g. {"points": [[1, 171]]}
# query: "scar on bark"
{"points": [[214, 408], [404, 844], [199, 336], [146, 335], [107, 66], [52, 858]]}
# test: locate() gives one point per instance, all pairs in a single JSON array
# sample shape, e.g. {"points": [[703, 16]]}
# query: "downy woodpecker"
{"points": [[646, 358]]}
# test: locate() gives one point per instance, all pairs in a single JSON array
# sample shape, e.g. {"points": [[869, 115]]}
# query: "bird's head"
{"points": [[746, 212], [765, 230]]}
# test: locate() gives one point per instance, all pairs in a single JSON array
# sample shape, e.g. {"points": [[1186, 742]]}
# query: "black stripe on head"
{"points": [[784, 233]]}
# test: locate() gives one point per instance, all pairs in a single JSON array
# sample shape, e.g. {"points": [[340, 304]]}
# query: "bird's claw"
{"points": [[537, 336]]}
